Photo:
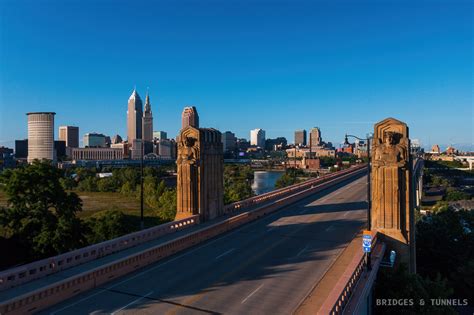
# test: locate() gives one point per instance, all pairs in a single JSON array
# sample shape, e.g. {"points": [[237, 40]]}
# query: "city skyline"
{"points": [[257, 74]]}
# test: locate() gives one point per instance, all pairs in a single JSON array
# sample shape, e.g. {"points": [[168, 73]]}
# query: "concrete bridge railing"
{"points": [[41, 268], [51, 294], [278, 193]]}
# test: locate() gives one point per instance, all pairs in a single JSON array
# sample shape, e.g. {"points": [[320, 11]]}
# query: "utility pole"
{"points": [[142, 223]]}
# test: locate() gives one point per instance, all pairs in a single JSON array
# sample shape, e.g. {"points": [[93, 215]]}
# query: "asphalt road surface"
{"points": [[265, 267]]}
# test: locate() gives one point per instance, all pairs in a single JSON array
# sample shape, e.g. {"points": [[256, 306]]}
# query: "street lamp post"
{"points": [[369, 201], [142, 223]]}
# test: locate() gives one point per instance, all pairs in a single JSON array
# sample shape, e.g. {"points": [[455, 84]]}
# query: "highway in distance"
{"points": [[264, 267]]}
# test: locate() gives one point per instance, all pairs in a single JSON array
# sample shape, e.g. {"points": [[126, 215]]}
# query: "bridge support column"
{"points": [[392, 184]]}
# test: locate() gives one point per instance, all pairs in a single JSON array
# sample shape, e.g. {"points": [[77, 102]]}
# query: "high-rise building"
{"points": [[435, 149], [94, 140], [116, 139], [300, 137], [257, 137], [166, 149], [147, 121], [229, 141], [275, 144], [69, 134], [190, 117], [59, 149], [315, 141], [134, 117], [21, 149], [160, 135], [40, 136]]}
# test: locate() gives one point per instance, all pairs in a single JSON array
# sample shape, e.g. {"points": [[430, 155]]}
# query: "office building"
{"points": [[69, 134], [96, 154], [40, 136], [147, 121], [300, 137], [166, 149], [160, 135], [229, 141], [134, 117], [116, 139], [257, 137], [6, 158], [190, 117], [94, 140], [276, 144], [59, 149], [315, 140], [21, 149]]}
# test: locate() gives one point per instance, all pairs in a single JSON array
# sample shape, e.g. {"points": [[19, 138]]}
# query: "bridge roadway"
{"points": [[265, 267]]}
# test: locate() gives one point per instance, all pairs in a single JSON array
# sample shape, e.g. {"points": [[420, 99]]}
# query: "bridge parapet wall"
{"points": [[41, 268]]}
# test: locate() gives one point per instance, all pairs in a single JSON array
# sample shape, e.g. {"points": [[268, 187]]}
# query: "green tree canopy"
{"points": [[40, 214]]}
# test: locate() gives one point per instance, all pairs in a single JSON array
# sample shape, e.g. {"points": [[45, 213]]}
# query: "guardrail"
{"points": [[285, 191], [54, 293], [41, 268], [343, 289]]}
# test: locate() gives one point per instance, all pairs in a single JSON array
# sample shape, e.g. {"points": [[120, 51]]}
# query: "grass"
{"points": [[96, 202]]}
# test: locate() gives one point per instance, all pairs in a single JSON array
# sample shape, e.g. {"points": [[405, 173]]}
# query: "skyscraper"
{"points": [[190, 117], [147, 121], [300, 137], [134, 117], [40, 136], [257, 137], [315, 141], [229, 141], [69, 134]]}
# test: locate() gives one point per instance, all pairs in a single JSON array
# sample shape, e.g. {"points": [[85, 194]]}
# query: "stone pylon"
{"points": [[200, 183], [392, 198]]}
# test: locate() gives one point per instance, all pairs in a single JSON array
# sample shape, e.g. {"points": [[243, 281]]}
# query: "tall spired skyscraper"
{"points": [[147, 121], [134, 117]]}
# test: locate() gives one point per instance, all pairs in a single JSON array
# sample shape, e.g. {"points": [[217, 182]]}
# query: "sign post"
{"points": [[367, 246]]}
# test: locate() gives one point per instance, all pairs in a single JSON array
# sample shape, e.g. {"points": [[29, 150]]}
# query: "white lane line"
{"points": [[133, 302], [227, 252], [77, 302], [324, 199], [329, 228], [302, 251], [166, 262], [253, 292]]}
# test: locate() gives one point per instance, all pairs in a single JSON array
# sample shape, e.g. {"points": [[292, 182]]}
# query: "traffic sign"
{"points": [[367, 241]]}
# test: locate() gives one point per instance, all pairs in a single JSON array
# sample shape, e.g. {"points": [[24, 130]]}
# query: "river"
{"points": [[264, 181]]}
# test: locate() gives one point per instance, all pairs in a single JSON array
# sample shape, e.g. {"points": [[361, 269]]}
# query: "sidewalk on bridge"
{"points": [[313, 302]]}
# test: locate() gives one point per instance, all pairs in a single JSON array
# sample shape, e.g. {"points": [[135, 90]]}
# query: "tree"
{"points": [[453, 194], [167, 205], [41, 215], [106, 225], [88, 184], [445, 244], [400, 285], [108, 184]]}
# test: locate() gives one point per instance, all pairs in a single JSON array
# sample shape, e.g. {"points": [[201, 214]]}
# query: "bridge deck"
{"points": [[76, 270], [268, 266]]}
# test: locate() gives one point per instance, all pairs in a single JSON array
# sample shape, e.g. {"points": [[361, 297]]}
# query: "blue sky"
{"points": [[276, 65]]}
